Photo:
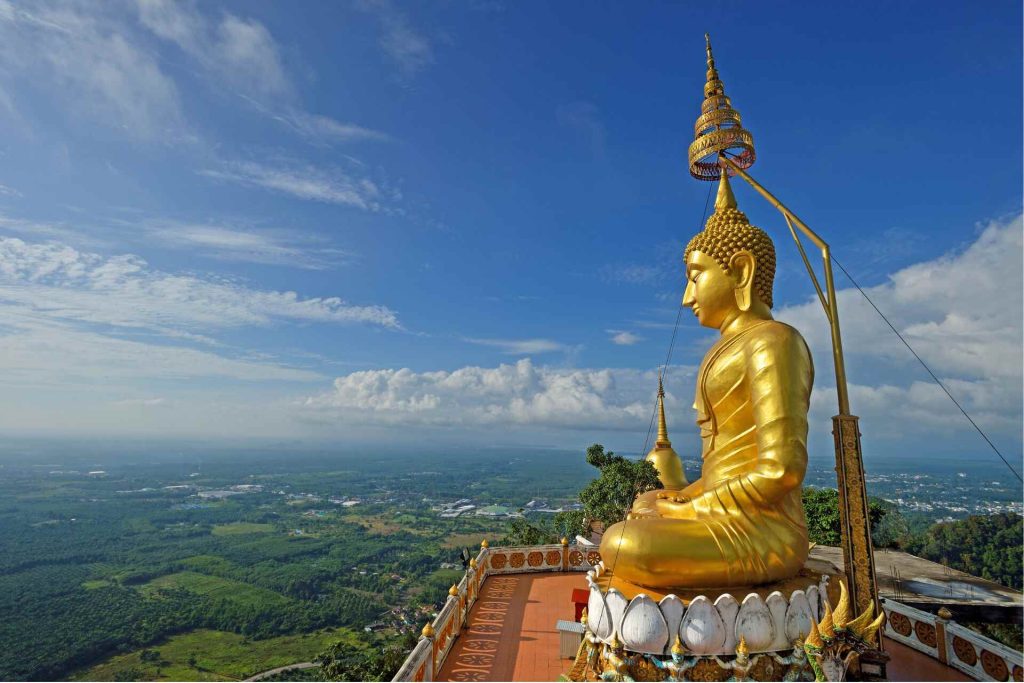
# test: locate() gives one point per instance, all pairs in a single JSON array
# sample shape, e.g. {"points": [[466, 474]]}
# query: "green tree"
{"points": [[821, 507], [342, 662], [988, 546], [608, 498]]}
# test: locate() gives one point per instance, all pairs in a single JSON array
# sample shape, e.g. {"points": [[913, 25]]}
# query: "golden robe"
{"points": [[742, 522]]}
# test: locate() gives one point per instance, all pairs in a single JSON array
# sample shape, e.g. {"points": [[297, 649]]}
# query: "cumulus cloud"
{"points": [[624, 337], [62, 283], [962, 313], [92, 63], [304, 181], [521, 394], [520, 347]]}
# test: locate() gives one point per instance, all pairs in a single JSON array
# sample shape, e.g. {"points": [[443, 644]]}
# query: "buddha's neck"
{"points": [[738, 320]]}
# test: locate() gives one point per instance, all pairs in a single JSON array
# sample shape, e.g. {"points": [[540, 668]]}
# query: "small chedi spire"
{"points": [[662, 456], [662, 441], [718, 130]]}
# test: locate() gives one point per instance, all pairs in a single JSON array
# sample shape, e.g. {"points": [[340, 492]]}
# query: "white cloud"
{"points": [[624, 337], [93, 63], [304, 182], [408, 48], [9, 191], [58, 282], [35, 351], [962, 313], [325, 128], [520, 347], [522, 394], [234, 244], [240, 52]]}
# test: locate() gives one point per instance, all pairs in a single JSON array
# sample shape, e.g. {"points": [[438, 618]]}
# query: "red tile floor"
{"points": [[511, 634]]}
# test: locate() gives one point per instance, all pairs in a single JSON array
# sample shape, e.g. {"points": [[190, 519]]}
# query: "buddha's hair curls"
{"points": [[727, 232]]}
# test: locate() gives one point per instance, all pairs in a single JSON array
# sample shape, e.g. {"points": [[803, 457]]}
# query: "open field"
{"points": [[236, 528], [214, 587], [217, 656]]}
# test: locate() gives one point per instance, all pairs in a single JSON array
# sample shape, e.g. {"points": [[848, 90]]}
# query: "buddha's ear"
{"points": [[742, 266]]}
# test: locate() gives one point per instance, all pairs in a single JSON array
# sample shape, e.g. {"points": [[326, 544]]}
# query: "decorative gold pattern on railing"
{"points": [[994, 666], [926, 633], [964, 651]]}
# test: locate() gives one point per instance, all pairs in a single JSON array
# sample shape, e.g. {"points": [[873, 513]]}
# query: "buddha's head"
{"points": [[730, 265]]}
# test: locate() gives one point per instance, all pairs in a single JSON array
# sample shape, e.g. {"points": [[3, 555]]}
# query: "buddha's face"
{"points": [[710, 290]]}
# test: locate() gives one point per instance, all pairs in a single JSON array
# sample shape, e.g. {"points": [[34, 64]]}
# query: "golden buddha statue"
{"points": [[741, 523]]}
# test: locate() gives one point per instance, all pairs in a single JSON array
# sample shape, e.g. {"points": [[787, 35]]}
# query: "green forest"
{"points": [[162, 568]]}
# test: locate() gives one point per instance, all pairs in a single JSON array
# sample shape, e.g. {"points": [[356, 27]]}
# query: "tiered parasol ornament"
{"points": [[718, 130]]}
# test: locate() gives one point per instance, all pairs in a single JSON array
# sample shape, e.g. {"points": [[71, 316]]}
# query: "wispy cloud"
{"points": [[623, 337], [93, 64], [409, 49], [57, 282], [9, 191], [304, 181], [237, 51], [284, 248], [520, 347], [317, 127]]}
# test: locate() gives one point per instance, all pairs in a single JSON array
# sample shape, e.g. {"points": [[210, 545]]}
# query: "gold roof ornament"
{"points": [[677, 647], [718, 130], [813, 639], [453, 591], [472, 563], [826, 629], [616, 644], [841, 615], [664, 458], [485, 544], [564, 541], [428, 631], [741, 648]]}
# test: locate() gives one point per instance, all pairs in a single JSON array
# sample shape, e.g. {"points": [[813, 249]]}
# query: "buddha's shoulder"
{"points": [[774, 334]]}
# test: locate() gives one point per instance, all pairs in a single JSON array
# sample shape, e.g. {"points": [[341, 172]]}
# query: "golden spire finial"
{"points": [[677, 647], [714, 85], [718, 129], [662, 441], [741, 648], [725, 199]]}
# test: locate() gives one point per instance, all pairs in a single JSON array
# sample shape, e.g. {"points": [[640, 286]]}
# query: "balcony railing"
{"points": [[429, 654], [981, 658]]}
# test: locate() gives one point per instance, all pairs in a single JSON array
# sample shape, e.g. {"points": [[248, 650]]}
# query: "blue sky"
{"points": [[371, 220]]}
